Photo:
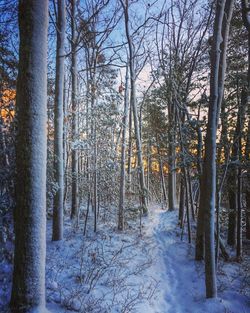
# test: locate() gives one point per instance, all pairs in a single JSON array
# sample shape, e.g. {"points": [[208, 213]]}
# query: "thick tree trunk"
{"points": [[74, 104], [59, 113], [28, 287], [123, 156]]}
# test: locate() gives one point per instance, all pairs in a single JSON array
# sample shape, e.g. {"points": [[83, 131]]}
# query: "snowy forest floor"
{"points": [[147, 271]]}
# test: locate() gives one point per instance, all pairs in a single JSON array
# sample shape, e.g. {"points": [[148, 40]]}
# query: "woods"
{"points": [[124, 137]]}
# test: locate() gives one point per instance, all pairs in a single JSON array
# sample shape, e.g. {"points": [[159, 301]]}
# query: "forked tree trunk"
{"points": [[208, 191], [28, 287], [58, 116], [133, 104], [218, 67]]}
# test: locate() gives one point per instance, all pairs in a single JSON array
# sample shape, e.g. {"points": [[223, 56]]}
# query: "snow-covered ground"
{"points": [[147, 271], [182, 279]]}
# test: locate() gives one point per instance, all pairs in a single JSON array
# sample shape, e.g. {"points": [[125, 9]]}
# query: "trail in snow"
{"points": [[129, 268], [181, 278], [123, 261]]}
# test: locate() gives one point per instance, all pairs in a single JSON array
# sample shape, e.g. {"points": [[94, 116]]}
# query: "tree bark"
{"points": [[28, 287], [218, 66], [234, 190], [163, 186], [172, 156], [59, 115], [246, 20], [74, 104], [123, 156], [182, 200], [240, 125], [130, 148], [133, 104]]}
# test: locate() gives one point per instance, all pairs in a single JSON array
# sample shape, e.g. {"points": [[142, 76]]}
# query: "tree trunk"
{"points": [[246, 20], [240, 125], [171, 161], [123, 156], [148, 170], [191, 194], [130, 147], [28, 287], [234, 190], [133, 104], [248, 182], [182, 200], [218, 66], [58, 137], [199, 243], [74, 103], [163, 186]]}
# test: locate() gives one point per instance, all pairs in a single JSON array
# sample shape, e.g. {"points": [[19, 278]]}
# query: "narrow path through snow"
{"points": [[182, 287]]}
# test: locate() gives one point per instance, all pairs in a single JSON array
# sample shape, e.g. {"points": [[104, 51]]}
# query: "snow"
{"points": [[152, 271], [182, 279]]}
